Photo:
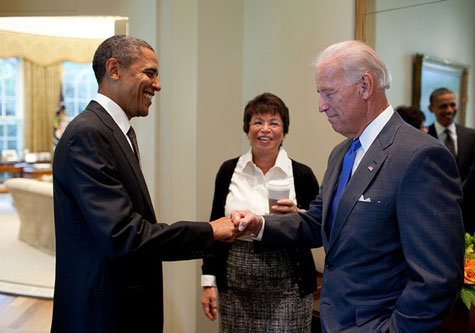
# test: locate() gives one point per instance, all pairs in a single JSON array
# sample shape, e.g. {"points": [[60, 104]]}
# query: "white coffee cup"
{"points": [[277, 189]]}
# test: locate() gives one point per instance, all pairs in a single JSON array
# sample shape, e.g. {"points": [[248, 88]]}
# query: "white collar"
{"points": [[115, 111], [375, 127], [282, 161], [439, 129]]}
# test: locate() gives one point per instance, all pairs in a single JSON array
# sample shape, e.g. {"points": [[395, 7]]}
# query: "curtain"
{"points": [[47, 50], [42, 57], [42, 90]]}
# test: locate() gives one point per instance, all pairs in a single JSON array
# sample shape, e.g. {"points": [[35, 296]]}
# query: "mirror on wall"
{"points": [[437, 29], [431, 73]]}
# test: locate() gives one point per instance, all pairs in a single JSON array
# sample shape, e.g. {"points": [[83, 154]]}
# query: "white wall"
{"points": [[282, 39], [442, 29]]}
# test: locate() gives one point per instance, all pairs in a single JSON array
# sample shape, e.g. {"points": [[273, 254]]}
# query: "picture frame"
{"points": [[431, 73]]}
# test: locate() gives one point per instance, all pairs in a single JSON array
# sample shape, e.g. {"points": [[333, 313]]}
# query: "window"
{"points": [[79, 87], [11, 113]]}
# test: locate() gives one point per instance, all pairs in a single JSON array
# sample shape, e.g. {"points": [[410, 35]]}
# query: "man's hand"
{"points": [[246, 222], [223, 230], [284, 206], [208, 301]]}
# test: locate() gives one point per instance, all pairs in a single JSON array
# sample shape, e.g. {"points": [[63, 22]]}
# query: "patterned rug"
{"points": [[24, 270]]}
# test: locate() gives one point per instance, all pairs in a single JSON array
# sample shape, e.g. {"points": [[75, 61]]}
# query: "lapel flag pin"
{"points": [[370, 168]]}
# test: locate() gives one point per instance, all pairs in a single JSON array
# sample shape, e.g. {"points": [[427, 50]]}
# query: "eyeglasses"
{"points": [[260, 124]]}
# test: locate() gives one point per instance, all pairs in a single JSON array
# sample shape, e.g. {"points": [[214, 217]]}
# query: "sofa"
{"points": [[33, 200]]}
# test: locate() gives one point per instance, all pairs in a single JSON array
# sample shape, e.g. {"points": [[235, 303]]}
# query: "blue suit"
{"points": [[394, 262]]}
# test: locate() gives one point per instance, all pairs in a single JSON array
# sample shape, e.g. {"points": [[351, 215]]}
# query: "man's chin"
{"points": [[143, 113]]}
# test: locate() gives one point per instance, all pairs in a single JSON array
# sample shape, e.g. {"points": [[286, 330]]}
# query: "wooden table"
{"points": [[36, 170]]}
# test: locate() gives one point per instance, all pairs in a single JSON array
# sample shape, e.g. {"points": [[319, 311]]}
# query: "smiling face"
{"points": [[266, 133], [138, 84], [340, 100], [445, 108]]}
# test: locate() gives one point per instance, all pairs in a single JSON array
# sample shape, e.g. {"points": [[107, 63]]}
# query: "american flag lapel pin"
{"points": [[371, 168]]}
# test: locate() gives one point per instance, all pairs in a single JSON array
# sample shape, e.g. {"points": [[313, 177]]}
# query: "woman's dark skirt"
{"points": [[262, 294]]}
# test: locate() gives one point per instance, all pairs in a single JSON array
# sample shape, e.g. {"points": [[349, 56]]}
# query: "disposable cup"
{"points": [[277, 189]]}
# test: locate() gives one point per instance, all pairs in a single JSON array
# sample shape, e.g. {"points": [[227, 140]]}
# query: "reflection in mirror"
{"points": [[431, 73], [444, 29]]}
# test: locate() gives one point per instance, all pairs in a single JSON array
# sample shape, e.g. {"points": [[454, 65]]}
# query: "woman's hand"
{"points": [[208, 301], [285, 206]]}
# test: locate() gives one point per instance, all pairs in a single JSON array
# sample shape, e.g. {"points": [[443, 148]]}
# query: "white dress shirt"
{"points": [[116, 112], [248, 190], [370, 133], [441, 135]]}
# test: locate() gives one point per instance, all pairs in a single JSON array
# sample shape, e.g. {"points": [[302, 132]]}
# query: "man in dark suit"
{"points": [[109, 246], [394, 246], [459, 139]]}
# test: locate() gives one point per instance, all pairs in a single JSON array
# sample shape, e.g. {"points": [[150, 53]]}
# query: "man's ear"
{"points": [[431, 109], [113, 68], [366, 85]]}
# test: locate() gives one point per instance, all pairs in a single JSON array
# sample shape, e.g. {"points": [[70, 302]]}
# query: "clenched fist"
{"points": [[223, 230]]}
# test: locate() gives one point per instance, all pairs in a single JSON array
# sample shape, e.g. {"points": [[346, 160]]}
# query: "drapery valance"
{"points": [[47, 50]]}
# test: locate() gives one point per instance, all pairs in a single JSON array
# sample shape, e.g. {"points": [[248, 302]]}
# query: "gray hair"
{"points": [[126, 49], [357, 58]]}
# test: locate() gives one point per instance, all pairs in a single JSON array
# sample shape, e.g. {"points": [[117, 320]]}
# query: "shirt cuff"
{"points": [[208, 281], [261, 232]]}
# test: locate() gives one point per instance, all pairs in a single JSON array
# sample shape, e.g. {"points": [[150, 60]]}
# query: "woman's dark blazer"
{"points": [[306, 190]]}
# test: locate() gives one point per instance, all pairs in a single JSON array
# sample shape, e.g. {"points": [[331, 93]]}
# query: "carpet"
{"points": [[24, 270]]}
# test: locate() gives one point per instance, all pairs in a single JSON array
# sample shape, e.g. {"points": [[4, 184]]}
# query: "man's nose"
{"points": [[322, 105], [156, 85]]}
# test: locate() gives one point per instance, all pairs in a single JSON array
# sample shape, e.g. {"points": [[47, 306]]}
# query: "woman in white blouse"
{"points": [[270, 291]]}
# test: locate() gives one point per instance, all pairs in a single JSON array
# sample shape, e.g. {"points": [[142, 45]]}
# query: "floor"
{"points": [[24, 314]]}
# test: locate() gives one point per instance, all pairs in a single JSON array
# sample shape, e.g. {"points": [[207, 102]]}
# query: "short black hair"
{"points": [[266, 103], [439, 91], [411, 115], [126, 49]]}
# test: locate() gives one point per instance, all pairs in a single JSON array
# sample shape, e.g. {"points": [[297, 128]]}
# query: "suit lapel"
{"points": [[432, 131], [124, 146], [333, 175], [366, 172], [462, 148]]}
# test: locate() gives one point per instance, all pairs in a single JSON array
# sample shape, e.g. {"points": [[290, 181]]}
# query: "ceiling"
{"points": [[96, 27]]}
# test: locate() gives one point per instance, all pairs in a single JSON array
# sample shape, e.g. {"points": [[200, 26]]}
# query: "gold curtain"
{"points": [[47, 50], [42, 90], [42, 57]]}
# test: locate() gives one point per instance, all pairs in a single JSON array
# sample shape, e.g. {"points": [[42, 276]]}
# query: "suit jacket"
{"points": [[306, 189], [465, 148], [468, 206], [394, 262], [109, 246]]}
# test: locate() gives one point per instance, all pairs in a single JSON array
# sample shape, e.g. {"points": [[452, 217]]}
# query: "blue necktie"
{"points": [[345, 175]]}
